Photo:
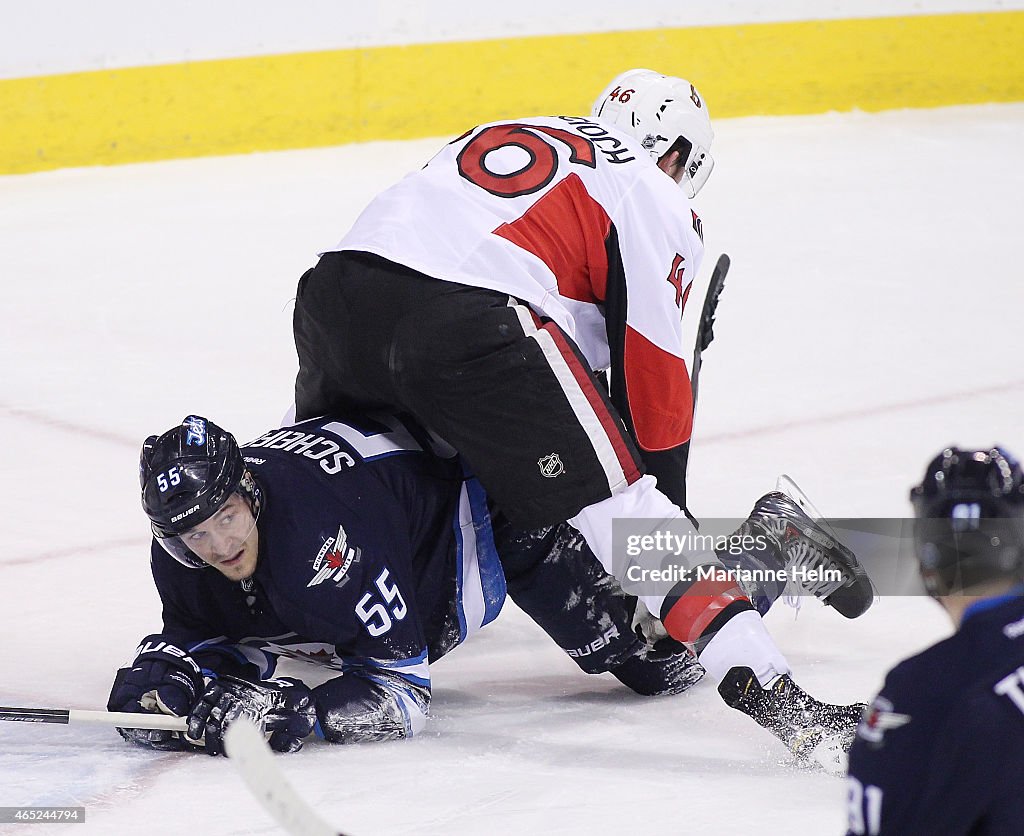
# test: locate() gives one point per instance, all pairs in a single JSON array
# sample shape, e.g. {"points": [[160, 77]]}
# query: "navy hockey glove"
{"points": [[282, 708], [162, 679]]}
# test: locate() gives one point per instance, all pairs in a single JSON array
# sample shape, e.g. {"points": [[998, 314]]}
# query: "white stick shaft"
{"points": [[128, 720], [249, 752]]}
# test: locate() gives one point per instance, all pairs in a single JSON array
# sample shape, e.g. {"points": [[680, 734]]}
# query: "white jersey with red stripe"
{"points": [[574, 218]]}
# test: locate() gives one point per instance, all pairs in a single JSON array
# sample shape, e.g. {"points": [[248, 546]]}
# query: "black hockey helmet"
{"points": [[969, 526], [186, 475]]}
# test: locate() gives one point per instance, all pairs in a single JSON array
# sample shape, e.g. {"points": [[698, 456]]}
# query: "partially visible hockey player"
{"points": [[481, 293], [941, 750], [353, 547]]}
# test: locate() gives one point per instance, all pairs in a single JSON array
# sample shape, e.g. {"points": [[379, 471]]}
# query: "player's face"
{"points": [[228, 541]]}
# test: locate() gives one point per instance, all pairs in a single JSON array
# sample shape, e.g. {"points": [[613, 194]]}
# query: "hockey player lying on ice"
{"points": [[357, 547]]}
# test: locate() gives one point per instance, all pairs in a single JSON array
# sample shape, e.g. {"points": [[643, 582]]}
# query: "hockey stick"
{"points": [[705, 334], [248, 750], [64, 716], [705, 329]]}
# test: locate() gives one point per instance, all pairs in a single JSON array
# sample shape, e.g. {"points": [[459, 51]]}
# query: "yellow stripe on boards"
{"points": [[313, 99]]}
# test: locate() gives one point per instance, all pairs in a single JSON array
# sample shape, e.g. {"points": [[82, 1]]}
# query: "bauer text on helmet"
{"points": [[665, 114]]}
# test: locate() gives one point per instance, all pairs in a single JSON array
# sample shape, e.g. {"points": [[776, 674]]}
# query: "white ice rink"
{"points": [[872, 315]]}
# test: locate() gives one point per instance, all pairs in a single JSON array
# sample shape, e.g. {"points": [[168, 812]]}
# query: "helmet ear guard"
{"points": [[665, 114]]}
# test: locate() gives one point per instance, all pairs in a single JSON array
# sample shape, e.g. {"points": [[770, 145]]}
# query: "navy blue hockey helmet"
{"points": [[186, 475], [969, 526]]}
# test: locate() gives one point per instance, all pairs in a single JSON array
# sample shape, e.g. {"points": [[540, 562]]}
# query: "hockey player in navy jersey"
{"points": [[481, 293], [941, 750], [357, 548]]}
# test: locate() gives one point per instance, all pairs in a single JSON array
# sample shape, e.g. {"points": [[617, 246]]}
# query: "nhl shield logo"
{"points": [[551, 466]]}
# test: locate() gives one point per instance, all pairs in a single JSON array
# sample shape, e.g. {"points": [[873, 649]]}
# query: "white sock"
{"points": [[641, 500], [744, 641]]}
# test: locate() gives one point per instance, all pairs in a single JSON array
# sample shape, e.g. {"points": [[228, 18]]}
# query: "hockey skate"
{"points": [[815, 560], [813, 731]]}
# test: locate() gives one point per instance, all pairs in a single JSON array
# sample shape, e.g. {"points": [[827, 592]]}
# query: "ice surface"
{"points": [[871, 316]]}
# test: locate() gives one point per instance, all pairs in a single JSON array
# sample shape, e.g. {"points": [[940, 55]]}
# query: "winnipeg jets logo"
{"points": [[878, 719], [196, 427], [334, 560]]}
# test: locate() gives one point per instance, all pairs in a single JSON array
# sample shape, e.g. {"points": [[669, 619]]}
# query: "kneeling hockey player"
{"points": [[483, 291]]}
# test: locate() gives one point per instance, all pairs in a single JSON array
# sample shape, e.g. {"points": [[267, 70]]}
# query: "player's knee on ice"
{"points": [[554, 577]]}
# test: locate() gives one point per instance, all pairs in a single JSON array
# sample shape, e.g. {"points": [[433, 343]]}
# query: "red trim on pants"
{"points": [[693, 613], [611, 424]]}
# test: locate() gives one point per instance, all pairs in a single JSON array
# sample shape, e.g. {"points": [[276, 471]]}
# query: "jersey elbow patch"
{"points": [[659, 394]]}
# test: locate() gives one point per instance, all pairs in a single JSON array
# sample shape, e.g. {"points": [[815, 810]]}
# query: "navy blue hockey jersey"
{"points": [[941, 749], [376, 557]]}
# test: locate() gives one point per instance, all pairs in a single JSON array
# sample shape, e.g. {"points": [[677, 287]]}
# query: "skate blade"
{"points": [[790, 488], [830, 756], [851, 603]]}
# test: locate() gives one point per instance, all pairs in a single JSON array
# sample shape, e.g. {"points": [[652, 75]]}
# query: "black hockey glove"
{"points": [[163, 679], [282, 708]]}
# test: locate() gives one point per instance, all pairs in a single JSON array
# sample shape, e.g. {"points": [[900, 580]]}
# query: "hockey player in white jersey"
{"points": [[482, 293]]}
